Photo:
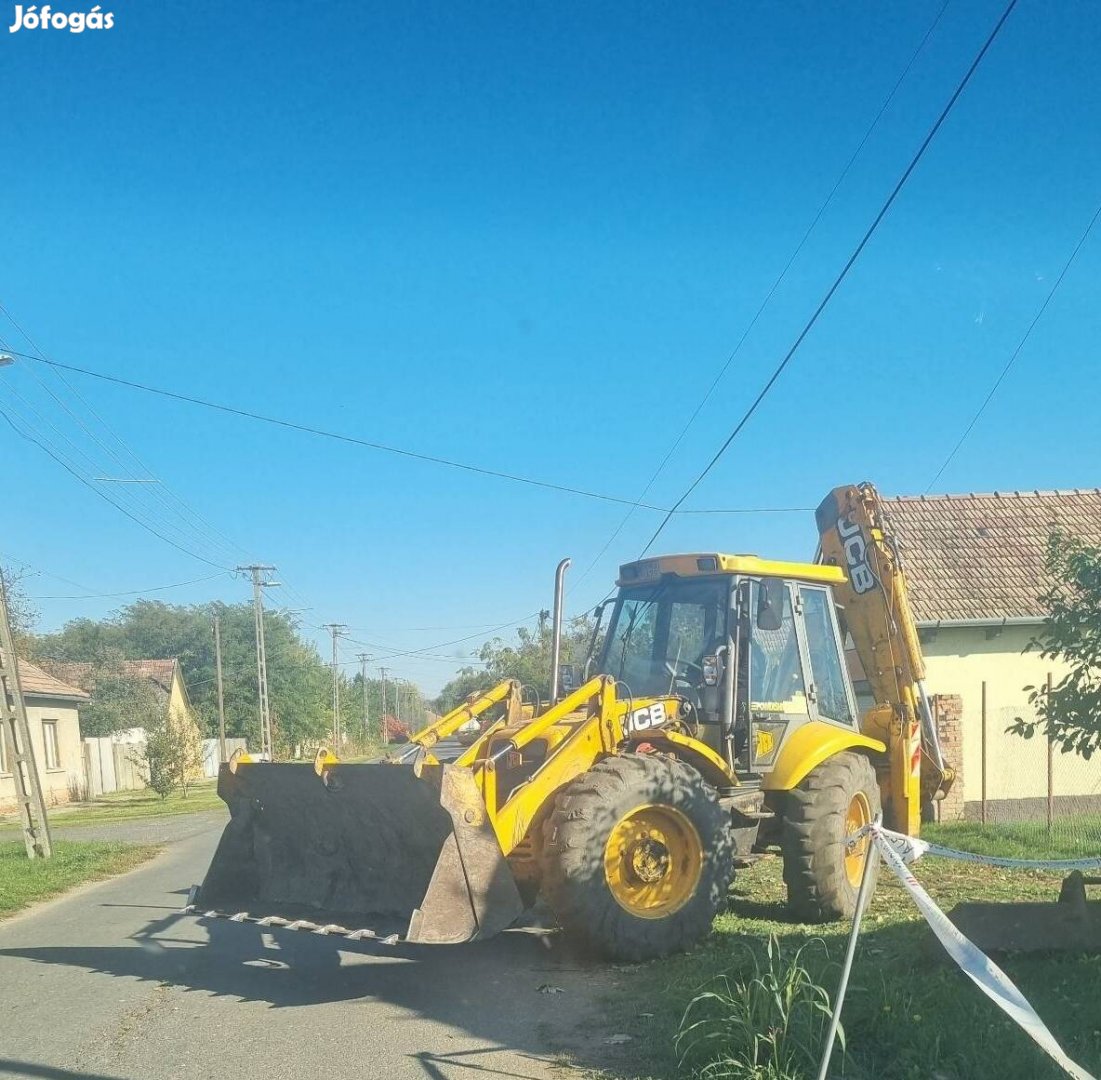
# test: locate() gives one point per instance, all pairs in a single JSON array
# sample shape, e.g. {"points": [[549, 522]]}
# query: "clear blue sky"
{"points": [[527, 236]]}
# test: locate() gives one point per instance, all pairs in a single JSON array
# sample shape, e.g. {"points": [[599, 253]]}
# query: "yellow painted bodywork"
{"points": [[639, 573], [588, 725], [878, 616], [710, 765], [653, 861], [810, 745]]}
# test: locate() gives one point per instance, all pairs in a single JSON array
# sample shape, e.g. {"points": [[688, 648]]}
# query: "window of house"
{"points": [[49, 741]]}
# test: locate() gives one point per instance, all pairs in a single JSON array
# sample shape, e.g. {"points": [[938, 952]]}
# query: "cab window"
{"points": [[827, 674], [775, 667]]}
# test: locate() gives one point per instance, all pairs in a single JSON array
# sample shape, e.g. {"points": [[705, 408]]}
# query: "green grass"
{"points": [[24, 881], [910, 1013], [1069, 838], [128, 805]]}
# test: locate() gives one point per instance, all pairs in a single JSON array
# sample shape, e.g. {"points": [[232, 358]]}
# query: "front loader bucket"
{"points": [[376, 847], [1072, 924]]}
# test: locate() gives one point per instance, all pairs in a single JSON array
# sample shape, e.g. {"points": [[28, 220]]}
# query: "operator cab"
{"points": [[753, 647]]}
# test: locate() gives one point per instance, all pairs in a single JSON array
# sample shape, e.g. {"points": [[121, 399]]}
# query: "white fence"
{"points": [[110, 765], [210, 753], [113, 763]]}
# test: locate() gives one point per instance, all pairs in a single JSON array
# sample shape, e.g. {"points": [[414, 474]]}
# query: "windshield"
{"points": [[660, 633]]}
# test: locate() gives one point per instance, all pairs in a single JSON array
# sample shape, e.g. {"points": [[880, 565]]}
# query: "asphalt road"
{"points": [[112, 982]]}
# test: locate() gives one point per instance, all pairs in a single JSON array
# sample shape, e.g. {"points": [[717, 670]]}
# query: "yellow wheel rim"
{"points": [[653, 861], [857, 816]]}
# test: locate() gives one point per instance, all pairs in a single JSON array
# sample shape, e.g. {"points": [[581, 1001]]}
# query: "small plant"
{"points": [[767, 1027]]}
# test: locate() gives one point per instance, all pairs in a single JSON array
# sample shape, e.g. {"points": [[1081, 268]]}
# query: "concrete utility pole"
{"points": [[363, 658], [259, 572], [382, 674], [221, 694], [18, 748], [336, 629]]}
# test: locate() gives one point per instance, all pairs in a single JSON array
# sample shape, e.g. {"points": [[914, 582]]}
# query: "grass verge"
{"points": [[910, 1012], [25, 881], [128, 805]]}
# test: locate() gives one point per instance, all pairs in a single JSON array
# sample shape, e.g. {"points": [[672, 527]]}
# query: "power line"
{"points": [[339, 437], [335, 435], [768, 297], [844, 273], [1017, 351], [91, 486], [162, 493], [133, 592]]}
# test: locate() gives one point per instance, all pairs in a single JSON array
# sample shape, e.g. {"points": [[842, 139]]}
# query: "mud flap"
{"points": [[364, 846]]}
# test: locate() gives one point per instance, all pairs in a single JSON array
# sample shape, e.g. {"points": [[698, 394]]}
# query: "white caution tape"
{"points": [[909, 848], [978, 967]]}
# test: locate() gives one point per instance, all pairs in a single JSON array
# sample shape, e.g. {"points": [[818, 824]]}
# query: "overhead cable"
{"points": [[841, 276]]}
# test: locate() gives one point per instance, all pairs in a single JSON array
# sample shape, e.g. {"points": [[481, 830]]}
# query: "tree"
{"points": [[528, 660], [1070, 714], [170, 755], [21, 610], [118, 702], [298, 680]]}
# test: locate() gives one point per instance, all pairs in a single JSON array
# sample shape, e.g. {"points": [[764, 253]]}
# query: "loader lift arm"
{"points": [[853, 534]]}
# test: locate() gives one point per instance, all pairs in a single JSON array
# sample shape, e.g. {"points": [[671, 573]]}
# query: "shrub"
{"points": [[771, 1026]]}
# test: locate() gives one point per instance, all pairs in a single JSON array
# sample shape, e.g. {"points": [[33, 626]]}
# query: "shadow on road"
{"points": [[11, 1067], [503, 991]]}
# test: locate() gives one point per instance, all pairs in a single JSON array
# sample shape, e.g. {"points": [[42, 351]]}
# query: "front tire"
{"points": [[637, 857], [821, 872]]}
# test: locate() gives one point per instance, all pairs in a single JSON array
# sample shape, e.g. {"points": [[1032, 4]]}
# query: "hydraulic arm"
{"points": [[877, 615]]}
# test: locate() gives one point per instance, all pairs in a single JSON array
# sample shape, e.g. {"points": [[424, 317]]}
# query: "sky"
{"points": [[524, 237]]}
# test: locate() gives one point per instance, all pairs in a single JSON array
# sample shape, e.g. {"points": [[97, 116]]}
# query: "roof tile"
{"points": [[981, 556]]}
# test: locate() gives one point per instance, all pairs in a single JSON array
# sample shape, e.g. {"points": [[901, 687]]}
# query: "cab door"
{"points": [[829, 689], [772, 691]]}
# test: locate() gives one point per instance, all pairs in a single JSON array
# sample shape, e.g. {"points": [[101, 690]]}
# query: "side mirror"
{"points": [[569, 678], [770, 604]]}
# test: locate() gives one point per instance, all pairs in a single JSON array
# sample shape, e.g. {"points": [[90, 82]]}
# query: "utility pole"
{"points": [[336, 629], [18, 748], [382, 673], [259, 572], [363, 658], [221, 694], [397, 702]]}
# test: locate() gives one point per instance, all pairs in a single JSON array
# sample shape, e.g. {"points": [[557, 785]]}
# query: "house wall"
{"points": [[65, 782], [958, 660], [180, 712]]}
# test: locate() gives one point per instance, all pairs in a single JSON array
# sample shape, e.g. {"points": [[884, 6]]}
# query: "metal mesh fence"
{"points": [[1027, 792]]}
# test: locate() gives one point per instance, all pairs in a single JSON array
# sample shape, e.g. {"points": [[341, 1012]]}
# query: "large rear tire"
{"points": [[821, 871], [637, 857]]}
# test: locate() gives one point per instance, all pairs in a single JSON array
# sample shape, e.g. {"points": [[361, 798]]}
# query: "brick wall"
{"points": [[948, 714]]}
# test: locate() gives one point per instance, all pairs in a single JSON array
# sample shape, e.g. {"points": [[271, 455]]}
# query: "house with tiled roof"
{"points": [[166, 677], [975, 567], [52, 715]]}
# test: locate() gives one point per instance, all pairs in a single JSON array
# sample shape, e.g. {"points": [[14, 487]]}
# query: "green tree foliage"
{"points": [[527, 659], [21, 610], [1071, 713], [119, 702], [170, 755], [299, 680]]}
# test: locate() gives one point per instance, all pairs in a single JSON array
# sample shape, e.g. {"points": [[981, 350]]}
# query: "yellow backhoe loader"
{"points": [[716, 720]]}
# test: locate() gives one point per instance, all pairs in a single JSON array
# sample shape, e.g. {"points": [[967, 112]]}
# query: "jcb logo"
{"points": [[651, 716], [856, 555]]}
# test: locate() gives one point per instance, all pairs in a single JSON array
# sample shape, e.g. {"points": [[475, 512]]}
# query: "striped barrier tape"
{"points": [[974, 963], [910, 848]]}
